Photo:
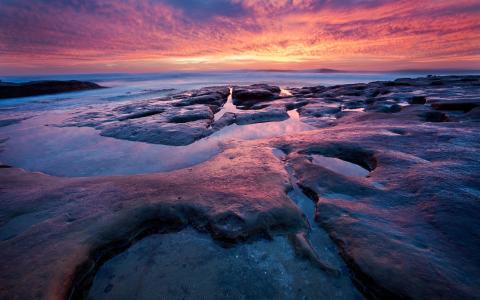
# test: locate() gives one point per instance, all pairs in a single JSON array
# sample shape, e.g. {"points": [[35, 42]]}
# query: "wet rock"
{"points": [[34, 88], [7, 122], [346, 90], [251, 95], [401, 239], [474, 114], [418, 100], [407, 230], [191, 265], [213, 98], [111, 213], [259, 116], [159, 121], [461, 105], [318, 110], [158, 132], [434, 116], [296, 104], [141, 114], [227, 119], [189, 114], [390, 108]]}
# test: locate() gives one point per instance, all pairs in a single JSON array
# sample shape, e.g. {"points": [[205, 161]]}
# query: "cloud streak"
{"points": [[156, 35]]}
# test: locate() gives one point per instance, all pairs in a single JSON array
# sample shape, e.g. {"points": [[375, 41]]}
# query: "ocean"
{"points": [[128, 87]]}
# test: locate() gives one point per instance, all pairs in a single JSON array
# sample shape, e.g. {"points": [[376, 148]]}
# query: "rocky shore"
{"points": [[379, 200], [45, 87]]}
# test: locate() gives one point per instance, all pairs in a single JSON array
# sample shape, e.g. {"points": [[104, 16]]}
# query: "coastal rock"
{"points": [[318, 110], [434, 116], [251, 95], [158, 132], [174, 121], [474, 114], [407, 228], [460, 105], [215, 96], [90, 219], [260, 116], [227, 119], [189, 114], [35, 88], [418, 100], [402, 238]]}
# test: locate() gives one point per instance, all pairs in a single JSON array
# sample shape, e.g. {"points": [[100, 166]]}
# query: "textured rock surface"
{"points": [[408, 230], [69, 224]]}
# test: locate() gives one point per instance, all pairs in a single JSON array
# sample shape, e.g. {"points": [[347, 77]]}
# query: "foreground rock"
{"points": [[35, 88], [68, 235]]}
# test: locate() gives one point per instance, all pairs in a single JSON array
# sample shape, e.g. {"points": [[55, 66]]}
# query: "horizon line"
{"points": [[315, 70]]}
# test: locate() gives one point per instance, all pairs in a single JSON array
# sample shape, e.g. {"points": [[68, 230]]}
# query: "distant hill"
{"points": [[322, 70]]}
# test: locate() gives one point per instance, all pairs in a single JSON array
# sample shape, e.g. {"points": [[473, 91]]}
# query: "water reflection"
{"points": [[227, 107], [339, 166], [81, 151]]}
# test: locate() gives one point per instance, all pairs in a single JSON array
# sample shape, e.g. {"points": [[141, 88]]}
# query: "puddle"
{"points": [[189, 265], [285, 93], [378, 186], [293, 114], [339, 166], [260, 130], [360, 109], [227, 107], [81, 151]]}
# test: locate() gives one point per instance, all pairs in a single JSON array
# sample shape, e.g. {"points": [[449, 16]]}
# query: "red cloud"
{"points": [[148, 35]]}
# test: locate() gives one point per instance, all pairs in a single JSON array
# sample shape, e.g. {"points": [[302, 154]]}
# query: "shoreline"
{"points": [[391, 228]]}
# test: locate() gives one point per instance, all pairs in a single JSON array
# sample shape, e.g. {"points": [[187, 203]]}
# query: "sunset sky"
{"points": [[74, 36]]}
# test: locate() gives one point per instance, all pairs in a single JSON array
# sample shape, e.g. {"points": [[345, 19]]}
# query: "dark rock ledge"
{"points": [[183, 118], [36, 88]]}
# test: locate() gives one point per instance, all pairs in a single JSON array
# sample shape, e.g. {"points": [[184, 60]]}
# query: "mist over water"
{"points": [[128, 87]]}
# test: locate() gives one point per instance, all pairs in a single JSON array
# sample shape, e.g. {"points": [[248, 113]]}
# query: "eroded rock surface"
{"points": [[70, 225], [409, 229]]}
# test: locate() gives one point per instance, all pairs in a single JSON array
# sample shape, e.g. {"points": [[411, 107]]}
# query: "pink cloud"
{"points": [[44, 35]]}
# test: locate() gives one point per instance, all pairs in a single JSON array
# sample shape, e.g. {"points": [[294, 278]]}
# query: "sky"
{"points": [[75, 36]]}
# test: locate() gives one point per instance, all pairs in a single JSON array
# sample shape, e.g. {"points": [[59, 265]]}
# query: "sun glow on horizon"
{"points": [[68, 36]]}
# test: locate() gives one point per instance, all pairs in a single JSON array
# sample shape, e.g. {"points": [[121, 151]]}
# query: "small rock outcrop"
{"points": [[36, 88]]}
